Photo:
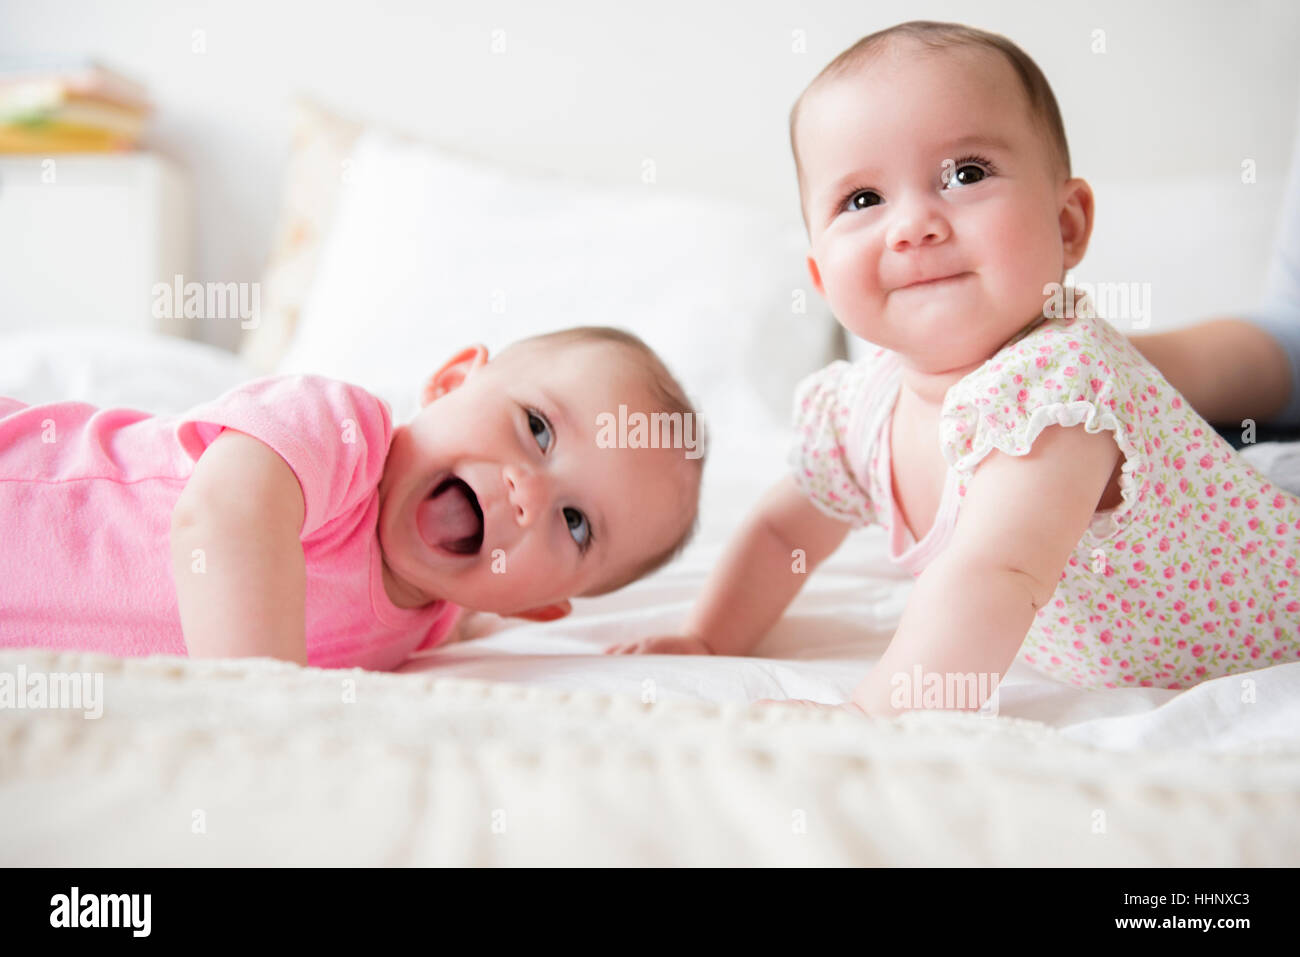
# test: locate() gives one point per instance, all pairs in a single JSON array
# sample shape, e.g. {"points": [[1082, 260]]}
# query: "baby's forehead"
{"points": [[921, 95], [903, 56], [579, 367], [962, 75], [541, 354]]}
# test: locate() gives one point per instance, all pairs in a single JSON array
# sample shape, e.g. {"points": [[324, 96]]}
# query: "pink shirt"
{"points": [[86, 496]]}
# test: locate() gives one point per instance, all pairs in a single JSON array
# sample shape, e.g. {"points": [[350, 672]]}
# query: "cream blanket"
{"points": [[266, 763]]}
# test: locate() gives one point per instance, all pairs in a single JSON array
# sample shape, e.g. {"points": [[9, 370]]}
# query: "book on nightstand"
{"points": [[77, 106]]}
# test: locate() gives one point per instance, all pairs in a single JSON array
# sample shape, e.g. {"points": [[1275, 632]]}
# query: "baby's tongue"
{"points": [[448, 520]]}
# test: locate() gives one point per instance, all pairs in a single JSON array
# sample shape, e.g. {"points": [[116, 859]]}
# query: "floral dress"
{"points": [[1192, 576]]}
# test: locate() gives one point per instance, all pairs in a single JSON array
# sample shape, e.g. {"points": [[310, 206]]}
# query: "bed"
{"points": [[522, 743]]}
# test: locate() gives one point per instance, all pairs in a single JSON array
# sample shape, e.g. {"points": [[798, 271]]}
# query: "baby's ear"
{"points": [[816, 275], [453, 372], [545, 612]]}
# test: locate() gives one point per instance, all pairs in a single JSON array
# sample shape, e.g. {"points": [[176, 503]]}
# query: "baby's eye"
{"points": [[578, 527], [968, 172], [862, 199], [537, 425]]}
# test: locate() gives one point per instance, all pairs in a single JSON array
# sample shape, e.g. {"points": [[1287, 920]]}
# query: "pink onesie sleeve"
{"points": [[333, 435]]}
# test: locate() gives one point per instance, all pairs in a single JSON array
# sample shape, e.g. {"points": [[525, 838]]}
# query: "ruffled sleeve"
{"points": [[824, 407], [1068, 371]]}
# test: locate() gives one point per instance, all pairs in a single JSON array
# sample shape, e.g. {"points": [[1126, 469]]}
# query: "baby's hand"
{"points": [[663, 645]]}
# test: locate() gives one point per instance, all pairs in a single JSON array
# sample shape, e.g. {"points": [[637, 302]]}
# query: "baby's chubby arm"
{"points": [[971, 608], [757, 578], [237, 554]]}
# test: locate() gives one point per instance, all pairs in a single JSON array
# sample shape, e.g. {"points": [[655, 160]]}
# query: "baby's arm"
{"points": [[971, 608], [1251, 376], [759, 574], [237, 554]]}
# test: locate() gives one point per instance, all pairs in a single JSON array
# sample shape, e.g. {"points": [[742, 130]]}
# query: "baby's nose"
{"points": [[525, 493], [916, 223]]}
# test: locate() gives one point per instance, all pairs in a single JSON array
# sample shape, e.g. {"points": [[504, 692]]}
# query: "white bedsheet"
{"points": [[832, 634]]}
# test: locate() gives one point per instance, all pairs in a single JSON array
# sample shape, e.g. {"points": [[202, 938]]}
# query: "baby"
{"points": [[1057, 500], [288, 519]]}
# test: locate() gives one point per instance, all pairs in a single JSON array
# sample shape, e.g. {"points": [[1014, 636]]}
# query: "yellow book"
{"points": [[87, 113], [60, 138]]}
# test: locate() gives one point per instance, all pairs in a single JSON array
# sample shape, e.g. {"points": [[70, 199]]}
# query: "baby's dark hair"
{"points": [[939, 36], [671, 398]]}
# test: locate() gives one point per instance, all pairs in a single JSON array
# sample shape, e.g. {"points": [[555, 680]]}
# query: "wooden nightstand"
{"points": [[84, 239]]}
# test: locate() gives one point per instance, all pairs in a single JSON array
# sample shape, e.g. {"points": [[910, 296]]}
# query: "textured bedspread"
{"points": [[527, 746], [263, 762]]}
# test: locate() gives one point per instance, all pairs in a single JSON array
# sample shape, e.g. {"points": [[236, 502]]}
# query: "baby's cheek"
{"points": [[849, 276], [526, 574], [1042, 249], [1026, 257]]}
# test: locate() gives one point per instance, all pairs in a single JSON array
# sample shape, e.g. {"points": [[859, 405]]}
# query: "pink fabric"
{"points": [[87, 496], [904, 549], [842, 456]]}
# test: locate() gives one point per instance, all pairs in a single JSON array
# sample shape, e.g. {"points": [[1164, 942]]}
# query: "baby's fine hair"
{"points": [[940, 36], [670, 397]]}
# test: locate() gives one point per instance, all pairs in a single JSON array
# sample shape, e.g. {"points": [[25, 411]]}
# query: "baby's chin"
{"points": [[400, 591], [411, 583]]}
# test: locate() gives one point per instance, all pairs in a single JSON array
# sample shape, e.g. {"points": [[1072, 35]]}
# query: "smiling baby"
{"points": [[290, 519]]}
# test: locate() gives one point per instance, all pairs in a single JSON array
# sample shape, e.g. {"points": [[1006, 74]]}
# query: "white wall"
{"points": [[702, 88]]}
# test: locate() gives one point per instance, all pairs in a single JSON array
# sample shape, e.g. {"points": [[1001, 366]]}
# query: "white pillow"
{"points": [[429, 253], [1202, 243]]}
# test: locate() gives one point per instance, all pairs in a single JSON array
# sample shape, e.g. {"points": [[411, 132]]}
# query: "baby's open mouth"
{"points": [[451, 519]]}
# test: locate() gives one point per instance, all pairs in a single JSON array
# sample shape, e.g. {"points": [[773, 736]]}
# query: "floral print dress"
{"points": [[1192, 576]]}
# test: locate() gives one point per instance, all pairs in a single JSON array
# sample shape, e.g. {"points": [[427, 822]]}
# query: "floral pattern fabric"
{"points": [[1192, 576]]}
